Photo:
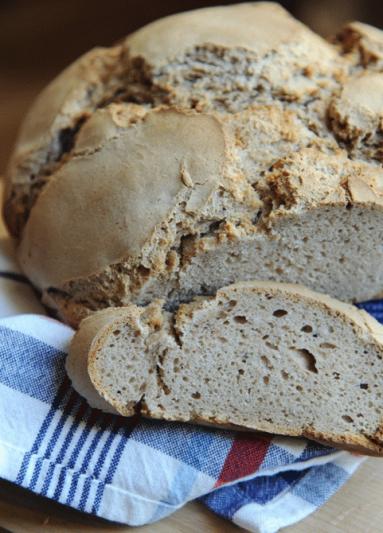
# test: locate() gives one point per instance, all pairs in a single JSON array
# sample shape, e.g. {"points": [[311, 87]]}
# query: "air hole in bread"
{"points": [[266, 380], [307, 328], [272, 346], [327, 346], [116, 332], [240, 319], [348, 419], [266, 361], [279, 312], [364, 386], [304, 358], [196, 395]]}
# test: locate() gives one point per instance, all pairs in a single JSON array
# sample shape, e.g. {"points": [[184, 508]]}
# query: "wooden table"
{"points": [[357, 507]]}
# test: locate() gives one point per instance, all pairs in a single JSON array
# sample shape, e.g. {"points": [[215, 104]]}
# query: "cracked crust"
{"points": [[115, 189], [152, 373], [356, 116], [363, 45], [184, 137], [312, 178], [165, 39], [50, 128]]}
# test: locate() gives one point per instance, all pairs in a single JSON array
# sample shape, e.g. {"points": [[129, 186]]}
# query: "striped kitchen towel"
{"points": [[138, 471]]}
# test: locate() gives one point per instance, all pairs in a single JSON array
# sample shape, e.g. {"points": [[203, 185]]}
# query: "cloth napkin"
{"points": [[136, 471]]}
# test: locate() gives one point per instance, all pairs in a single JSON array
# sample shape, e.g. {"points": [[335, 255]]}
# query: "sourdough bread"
{"points": [[209, 147], [263, 356], [76, 362]]}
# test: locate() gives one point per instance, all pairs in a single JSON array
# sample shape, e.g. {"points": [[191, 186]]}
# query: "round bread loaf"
{"points": [[209, 147]]}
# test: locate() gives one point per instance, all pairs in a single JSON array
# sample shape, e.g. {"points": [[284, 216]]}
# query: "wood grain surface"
{"points": [[357, 507]]}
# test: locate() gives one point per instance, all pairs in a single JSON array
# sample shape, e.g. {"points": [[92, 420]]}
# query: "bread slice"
{"points": [[270, 357], [76, 363]]}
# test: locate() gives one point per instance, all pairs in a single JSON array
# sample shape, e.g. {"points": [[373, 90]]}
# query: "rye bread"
{"points": [[261, 356], [209, 147]]}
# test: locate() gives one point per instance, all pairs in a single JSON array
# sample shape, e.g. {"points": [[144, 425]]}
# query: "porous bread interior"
{"points": [[293, 250], [76, 364], [264, 359], [347, 246], [128, 380]]}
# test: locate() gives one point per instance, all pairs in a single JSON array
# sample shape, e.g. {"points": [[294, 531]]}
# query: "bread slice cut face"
{"points": [[263, 356]]}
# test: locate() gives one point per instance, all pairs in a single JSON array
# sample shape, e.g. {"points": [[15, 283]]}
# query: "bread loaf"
{"points": [[263, 356], [209, 147]]}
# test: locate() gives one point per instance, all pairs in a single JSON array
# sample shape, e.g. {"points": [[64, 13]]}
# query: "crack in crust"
{"points": [[186, 81]]}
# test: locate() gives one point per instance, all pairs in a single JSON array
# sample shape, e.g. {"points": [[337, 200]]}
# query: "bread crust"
{"points": [[153, 324], [184, 132], [151, 183]]}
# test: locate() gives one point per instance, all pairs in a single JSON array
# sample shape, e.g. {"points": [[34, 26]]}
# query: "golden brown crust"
{"points": [[362, 43], [70, 312], [352, 443], [311, 177]]}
